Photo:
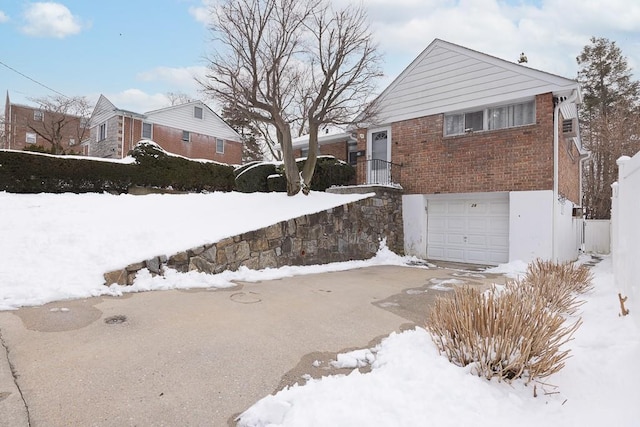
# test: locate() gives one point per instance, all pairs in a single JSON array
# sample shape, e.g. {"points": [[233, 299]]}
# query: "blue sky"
{"points": [[136, 51]]}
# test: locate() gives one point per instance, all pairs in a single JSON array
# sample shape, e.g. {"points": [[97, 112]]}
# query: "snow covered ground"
{"points": [[55, 247], [58, 246], [412, 385]]}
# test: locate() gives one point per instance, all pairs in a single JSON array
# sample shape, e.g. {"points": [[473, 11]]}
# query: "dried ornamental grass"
{"points": [[514, 332]]}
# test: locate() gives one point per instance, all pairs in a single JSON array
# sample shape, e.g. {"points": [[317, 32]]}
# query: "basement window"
{"points": [[186, 136]]}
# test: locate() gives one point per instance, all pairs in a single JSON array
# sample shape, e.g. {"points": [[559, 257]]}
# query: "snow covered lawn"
{"points": [[58, 246]]}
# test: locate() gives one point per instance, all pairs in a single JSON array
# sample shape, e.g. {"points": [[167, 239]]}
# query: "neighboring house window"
{"points": [[219, 145], [197, 112], [500, 117], [102, 132], [72, 141], [31, 138], [38, 115], [147, 130], [304, 152], [186, 137]]}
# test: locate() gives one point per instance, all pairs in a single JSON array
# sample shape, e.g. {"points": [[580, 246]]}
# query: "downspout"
{"points": [[559, 102]]}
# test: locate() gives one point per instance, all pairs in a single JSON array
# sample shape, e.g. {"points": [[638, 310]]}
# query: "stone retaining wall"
{"points": [[348, 232]]}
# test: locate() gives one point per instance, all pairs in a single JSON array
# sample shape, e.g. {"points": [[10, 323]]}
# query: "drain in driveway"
{"points": [[246, 297], [113, 320]]}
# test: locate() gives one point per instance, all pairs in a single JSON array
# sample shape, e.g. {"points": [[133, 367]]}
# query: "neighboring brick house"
{"points": [[191, 130], [27, 126], [488, 153], [331, 142]]}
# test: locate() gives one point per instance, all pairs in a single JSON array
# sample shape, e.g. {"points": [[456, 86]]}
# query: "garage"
{"points": [[473, 229]]}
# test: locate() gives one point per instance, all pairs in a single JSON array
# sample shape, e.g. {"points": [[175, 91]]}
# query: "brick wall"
{"points": [[123, 133], [516, 159], [199, 147], [339, 150], [20, 121]]}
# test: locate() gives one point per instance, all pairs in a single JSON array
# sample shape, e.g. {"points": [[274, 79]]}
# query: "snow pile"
{"points": [[412, 385]]}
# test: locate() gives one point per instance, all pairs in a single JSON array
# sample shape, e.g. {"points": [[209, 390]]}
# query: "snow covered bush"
{"points": [[515, 331]]}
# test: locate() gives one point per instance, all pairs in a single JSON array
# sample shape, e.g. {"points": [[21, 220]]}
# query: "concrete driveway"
{"points": [[199, 358]]}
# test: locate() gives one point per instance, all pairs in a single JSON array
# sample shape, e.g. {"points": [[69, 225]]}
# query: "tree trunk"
{"points": [[290, 167], [312, 158]]}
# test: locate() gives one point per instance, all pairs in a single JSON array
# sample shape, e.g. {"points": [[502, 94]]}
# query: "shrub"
{"points": [[157, 168], [512, 332], [254, 178], [257, 176], [330, 171]]}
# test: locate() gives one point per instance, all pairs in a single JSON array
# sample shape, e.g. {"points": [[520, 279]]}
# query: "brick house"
{"points": [[191, 130], [27, 126], [331, 142], [488, 153]]}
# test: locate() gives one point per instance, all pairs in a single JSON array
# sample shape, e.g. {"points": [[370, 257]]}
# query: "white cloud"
{"points": [[202, 13], [551, 34], [178, 78], [3, 17], [49, 19], [138, 101]]}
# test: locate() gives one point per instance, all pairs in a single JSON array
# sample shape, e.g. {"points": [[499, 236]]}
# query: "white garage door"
{"points": [[468, 230]]}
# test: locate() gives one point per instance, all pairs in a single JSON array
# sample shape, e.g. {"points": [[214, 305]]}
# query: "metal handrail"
{"points": [[382, 172]]}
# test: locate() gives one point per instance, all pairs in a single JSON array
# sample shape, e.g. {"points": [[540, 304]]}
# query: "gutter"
{"points": [[559, 102]]}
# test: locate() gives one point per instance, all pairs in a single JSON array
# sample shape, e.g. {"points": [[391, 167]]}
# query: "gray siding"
{"points": [[182, 117]]}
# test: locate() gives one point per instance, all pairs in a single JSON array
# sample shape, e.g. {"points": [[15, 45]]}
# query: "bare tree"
{"points": [[62, 117], [609, 119], [177, 98], [292, 63]]}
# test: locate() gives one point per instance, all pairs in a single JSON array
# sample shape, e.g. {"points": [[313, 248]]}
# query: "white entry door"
{"points": [[379, 149], [468, 230]]}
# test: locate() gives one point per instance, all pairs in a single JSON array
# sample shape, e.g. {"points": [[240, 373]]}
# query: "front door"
{"points": [[379, 170]]}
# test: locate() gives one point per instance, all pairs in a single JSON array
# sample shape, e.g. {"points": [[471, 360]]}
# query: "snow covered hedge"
{"points": [[24, 172]]}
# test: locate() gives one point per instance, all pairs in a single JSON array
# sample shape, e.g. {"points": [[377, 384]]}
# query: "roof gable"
{"points": [[447, 77], [182, 116]]}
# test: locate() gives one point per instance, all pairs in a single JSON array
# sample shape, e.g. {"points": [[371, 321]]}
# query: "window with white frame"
{"points": [[197, 112], [513, 115], [102, 132], [72, 141], [38, 115], [147, 130], [499, 117], [220, 145], [31, 138], [186, 136]]}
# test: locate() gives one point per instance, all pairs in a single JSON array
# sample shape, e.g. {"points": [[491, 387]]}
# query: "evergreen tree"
{"points": [[252, 149], [609, 120]]}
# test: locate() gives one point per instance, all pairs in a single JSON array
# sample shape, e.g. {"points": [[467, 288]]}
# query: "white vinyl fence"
{"points": [[626, 232], [597, 236]]}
